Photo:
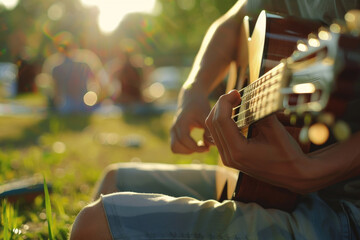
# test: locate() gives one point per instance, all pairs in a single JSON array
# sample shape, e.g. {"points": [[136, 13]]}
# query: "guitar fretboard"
{"points": [[260, 98]]}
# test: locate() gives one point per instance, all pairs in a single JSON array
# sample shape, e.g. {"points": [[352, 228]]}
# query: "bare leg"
{"points": [[107, 184], [91, 223]]}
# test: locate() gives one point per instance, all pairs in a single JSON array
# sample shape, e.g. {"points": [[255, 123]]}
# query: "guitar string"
{"points": [[268, 87], [271, 89], [255, 115], [258, 91], [252, 87], [261, 83], [273, 74], [258, 109], [255, 111]]}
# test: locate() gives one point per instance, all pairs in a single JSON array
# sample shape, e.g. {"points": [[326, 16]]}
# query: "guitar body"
{"points": [[273, 38]]}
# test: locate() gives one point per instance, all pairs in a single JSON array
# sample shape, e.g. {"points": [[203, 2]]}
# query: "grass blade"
{"points": [[48, 210], [5, 221]]}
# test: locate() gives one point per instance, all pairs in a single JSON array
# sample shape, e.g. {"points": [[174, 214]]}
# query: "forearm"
{"points": [[336, 163], [217, 51]]}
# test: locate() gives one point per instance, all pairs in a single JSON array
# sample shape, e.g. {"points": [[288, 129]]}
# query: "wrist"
{"points": [[196, 87], [193, 97]]}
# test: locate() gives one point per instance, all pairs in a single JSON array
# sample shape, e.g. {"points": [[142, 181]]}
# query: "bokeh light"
{"points": [[336, 28], [186, 4], [59, 147], [56, 11], [302, 47], [324, 35], [318, 133], [148, 61], [156, 90], [90, 98], [314, 42]]}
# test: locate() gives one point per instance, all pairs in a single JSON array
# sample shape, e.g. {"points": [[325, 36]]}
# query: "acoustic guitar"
{"points": [[309, 91]]}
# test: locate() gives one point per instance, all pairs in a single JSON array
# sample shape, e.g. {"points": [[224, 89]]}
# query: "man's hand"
{"points": [[193, 108], [271, 154]]}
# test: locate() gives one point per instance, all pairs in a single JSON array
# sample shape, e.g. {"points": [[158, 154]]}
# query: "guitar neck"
{"points": [[261, 98]]}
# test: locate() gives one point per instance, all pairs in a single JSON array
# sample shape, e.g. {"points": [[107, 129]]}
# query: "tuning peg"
{"points": [[335, 28], [341, 130], [338, 27], [287, 112], [313, 40], [301, 46], [304, 134], [324, 34], [307, 119], [352, 19], [293, 119], [326, 118]]}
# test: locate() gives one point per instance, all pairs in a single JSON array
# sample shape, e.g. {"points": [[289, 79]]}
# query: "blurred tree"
{"points": [[173, 36], [29, 29]]}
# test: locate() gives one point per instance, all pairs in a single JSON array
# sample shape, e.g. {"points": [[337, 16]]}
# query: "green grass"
{"points": [[48, 211], [71, 152]]}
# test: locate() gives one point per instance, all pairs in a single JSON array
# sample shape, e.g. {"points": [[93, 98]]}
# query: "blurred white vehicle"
{"points": [[165, 82], [8, 73]]}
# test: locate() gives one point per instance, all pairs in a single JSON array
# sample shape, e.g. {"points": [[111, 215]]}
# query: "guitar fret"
{"points": [[243, 121], [260, 98]]}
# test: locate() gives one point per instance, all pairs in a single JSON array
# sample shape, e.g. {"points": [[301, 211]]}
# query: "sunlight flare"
{"points": [[9, 4], [111, 12]]}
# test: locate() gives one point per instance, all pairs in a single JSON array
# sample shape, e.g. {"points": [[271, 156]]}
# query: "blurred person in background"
{"points": [[74, 77], [159, 201], [26, 76], [130, 79], [131, 82], [71, 79]]}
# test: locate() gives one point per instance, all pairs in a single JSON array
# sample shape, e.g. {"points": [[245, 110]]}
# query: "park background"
{"points": [[71, 150]]}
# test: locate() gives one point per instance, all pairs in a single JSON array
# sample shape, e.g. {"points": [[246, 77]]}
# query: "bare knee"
{"points": [[107, 183], [91, 223], [110, 173]]}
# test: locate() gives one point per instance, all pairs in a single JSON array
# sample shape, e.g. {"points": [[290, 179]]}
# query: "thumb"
{"points": [[208, 140]]}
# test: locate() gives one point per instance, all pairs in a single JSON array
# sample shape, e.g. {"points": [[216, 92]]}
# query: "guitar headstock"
{"points": [[318, 73]]}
